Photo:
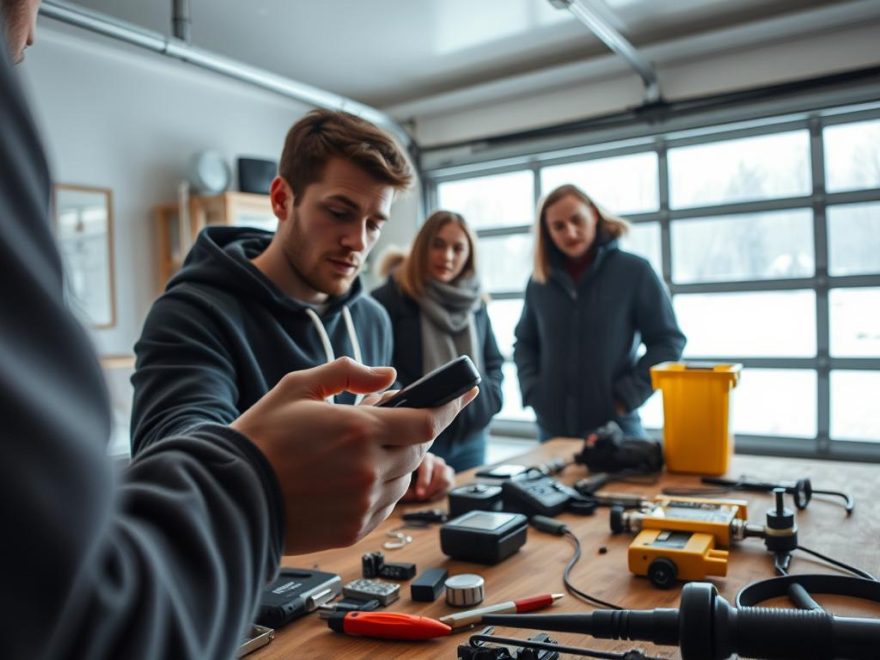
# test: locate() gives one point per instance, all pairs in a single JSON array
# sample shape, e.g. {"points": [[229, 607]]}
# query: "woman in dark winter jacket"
{"points": [[438, 312], [588, 307]]}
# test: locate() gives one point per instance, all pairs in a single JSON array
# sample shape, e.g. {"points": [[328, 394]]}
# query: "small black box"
{"points": [[294, 593], [486, 537], [397, 570], [429, 585], [471, 497], [255, 175]]}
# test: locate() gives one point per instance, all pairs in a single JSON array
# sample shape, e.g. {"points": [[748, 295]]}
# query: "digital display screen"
{"points": [[485, 520]]}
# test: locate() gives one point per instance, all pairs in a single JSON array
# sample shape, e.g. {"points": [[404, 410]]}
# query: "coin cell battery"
{"points": [[465, 589]]}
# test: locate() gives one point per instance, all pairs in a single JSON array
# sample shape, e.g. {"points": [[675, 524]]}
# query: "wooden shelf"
{"points": [[229, 208]]}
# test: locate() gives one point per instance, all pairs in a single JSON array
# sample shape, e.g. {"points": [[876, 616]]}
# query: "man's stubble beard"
{"points": [[297, 250]]}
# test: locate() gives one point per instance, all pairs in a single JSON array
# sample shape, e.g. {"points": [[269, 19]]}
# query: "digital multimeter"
{"points": [[486, 537]]}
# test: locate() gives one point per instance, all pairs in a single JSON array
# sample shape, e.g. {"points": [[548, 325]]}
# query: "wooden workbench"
{"points": [[538, 566]]}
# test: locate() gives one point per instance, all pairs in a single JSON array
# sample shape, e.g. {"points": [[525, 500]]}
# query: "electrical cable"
{"points": [[551, 526], [801, 588], [802, 490], [548, 468], [834, 562], [696, 491], [636, 477], [566, 579], [780, 565]]}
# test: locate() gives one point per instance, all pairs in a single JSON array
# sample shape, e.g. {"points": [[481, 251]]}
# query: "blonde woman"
{"points": [[438, 312], [588, 307]]}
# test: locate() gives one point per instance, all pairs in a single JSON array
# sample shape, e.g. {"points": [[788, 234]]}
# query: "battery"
{"points": [[384, 592], [397, 570], [429, 585]]}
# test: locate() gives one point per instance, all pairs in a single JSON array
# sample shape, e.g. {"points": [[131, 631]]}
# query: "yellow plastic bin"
{"points": [[696, 414]]}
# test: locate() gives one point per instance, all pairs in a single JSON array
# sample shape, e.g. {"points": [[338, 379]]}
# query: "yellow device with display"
{"points": [[666, 556], [681, 538]]}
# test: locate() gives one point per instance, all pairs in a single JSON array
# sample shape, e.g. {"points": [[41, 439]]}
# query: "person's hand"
{"points": [[431, 481], [341, 468]]}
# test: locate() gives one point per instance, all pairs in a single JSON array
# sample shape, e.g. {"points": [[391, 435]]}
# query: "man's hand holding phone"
{"points": [[434, 478], [341, 469]]}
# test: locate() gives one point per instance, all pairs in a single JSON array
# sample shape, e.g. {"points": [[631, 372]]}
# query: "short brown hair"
{"points": [[325, 134], [607, 224], [413, 273]]}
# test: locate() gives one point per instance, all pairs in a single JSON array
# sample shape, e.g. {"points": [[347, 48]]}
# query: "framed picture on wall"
{"points": [[84, 229]]}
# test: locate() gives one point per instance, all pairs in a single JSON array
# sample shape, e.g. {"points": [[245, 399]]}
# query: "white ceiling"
{"points": [[390, 52]]}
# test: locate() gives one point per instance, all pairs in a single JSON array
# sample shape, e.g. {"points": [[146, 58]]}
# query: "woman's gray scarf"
{"points": [[447, 322]]}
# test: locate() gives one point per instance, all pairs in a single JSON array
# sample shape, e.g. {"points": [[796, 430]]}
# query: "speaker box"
{"points": [[255, 175]]}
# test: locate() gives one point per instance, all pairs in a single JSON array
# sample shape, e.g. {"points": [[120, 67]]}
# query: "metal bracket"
{"points": [[589, 12]]}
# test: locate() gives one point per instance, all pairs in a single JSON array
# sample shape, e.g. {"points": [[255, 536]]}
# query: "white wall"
{"points": [[128, 120], [605, 87]]}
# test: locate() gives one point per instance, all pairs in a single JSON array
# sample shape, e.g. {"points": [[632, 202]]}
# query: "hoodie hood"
{"points": [[221, 258], [239, 334]]}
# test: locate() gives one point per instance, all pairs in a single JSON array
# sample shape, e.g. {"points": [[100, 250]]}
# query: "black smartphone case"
{"points": [[437, 387]]}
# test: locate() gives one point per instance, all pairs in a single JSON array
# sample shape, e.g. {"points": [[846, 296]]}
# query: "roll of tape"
{"points": [[464, 589]]}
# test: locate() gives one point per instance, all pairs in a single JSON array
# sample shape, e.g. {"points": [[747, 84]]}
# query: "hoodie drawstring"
{"points": [[328, 348], [352, 335]]}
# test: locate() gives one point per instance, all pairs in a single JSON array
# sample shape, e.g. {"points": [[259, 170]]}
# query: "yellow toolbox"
{"points": [[696, 414]]}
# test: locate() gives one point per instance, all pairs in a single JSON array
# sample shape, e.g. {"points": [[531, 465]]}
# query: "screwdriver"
{"points": [[387, 625]]}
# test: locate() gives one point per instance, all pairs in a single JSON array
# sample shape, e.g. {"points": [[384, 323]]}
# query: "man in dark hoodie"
{"points": [[249, 307], [167, 558]]}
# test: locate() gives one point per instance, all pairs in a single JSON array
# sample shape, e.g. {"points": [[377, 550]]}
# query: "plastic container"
{"points": [[696, 414]]}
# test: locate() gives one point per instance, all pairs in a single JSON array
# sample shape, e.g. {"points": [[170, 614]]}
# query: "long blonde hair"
{"points": [[607, 224], [413, 273]]}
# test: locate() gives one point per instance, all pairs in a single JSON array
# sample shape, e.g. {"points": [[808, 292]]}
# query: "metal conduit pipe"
{"points": [[181, 21], [86, 19], [616, 42]]}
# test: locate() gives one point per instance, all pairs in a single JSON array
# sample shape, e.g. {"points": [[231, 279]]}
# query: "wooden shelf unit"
{"points": [[228, 208]]}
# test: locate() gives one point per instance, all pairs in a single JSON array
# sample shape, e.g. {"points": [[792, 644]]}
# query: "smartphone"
{"points": [[503, 471], [257, 637], [437, 387]]}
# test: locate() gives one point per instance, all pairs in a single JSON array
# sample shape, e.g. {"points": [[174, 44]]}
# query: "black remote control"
{"points": [[541, 495]]}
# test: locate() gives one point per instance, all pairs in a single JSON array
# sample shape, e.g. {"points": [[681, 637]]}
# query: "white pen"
{"points": [[468, 617]]}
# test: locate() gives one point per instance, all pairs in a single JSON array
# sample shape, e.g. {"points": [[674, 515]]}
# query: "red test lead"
{"points": [[468, 617], [387, 625]]}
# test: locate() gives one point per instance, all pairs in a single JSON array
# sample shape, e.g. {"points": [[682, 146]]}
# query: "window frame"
{"points": [[701, 132]]}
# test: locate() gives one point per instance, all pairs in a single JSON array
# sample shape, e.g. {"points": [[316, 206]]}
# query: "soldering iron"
{"points": [[707, 627]]}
